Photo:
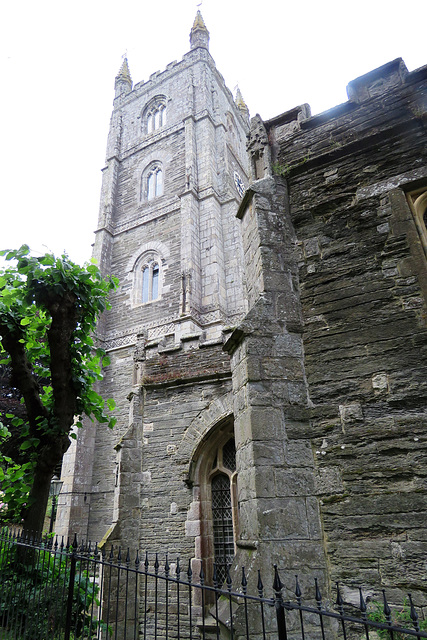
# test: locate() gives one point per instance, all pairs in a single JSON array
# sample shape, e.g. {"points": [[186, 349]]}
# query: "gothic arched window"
{"points": [[152, 182], [155, 114], [147, 278], [215, 489]]}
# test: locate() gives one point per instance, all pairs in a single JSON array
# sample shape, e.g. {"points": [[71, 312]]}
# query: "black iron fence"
{"points": [[51, 590]]}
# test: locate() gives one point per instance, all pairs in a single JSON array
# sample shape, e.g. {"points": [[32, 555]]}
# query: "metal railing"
{"points": [[51, 590]]}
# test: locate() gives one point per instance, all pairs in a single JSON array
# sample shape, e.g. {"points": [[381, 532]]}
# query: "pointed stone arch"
{"points": [[200, 428], [203, 448]]}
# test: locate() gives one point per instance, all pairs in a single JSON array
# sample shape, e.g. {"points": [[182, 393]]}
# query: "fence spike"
{"points": [[298, 592], [413, 614], [128, 557], [201, 574], [244, 581], [178, 568], [228, 578], [318, 595], [386, 609], [146, 563], [189, 571], [75, 545], [95, 551], [137, 560], [156, 564], [260, 586], [111, 556], [215, 577], [167, 567], [277, 583], [119, 556], [362, 603]]}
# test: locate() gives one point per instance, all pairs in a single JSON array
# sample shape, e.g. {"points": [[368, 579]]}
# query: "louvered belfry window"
{"points": [[222, 510]]}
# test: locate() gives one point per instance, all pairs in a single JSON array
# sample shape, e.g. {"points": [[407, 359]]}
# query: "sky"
{"points": [[58, 61]]}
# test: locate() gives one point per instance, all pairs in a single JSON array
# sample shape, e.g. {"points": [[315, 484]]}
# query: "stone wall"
{"points": [[361, 283], [279, 519]]}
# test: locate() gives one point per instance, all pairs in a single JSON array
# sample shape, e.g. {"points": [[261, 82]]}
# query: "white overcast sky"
{"points": [[58, 61]]}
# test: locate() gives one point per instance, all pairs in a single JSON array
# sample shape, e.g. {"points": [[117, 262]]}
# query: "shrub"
{"points": [[400, 617], [34, 588]]}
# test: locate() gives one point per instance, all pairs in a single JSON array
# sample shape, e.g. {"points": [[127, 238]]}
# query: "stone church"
{"points": [[268, 340]]}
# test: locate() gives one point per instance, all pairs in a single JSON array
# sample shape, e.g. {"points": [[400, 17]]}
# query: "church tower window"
{"points": [[155, 114], [152, 182], [148, 276]]}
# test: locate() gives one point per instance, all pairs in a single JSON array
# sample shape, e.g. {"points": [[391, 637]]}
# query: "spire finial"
{"points": [[123, 83], [241, 104], [199, 35]]}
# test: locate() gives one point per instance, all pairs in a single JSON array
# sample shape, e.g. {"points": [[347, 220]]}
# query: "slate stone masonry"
{"points": [[300, 323]]}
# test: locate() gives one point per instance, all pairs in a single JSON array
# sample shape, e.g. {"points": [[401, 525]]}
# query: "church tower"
{"points": [[175, 173]]}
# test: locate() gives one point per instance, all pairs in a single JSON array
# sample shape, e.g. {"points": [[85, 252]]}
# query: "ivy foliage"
{"points": [[48, 311]]}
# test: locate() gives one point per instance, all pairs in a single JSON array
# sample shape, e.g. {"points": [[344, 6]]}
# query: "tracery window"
{"points": [[155, 114], [147, 269], [152, 182], [213, 474]]}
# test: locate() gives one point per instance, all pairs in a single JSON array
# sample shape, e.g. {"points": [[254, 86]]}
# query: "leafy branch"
{"points": [[48, 311]]}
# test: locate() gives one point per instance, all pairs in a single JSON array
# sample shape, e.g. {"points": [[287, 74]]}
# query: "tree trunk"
{"points": [[36, 511], [49, 457]]}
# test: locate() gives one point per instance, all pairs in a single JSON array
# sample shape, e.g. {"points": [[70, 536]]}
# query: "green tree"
{"points": [[48, 310]]}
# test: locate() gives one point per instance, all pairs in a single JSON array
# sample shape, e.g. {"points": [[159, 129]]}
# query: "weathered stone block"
{"points": [[294, 482]]}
